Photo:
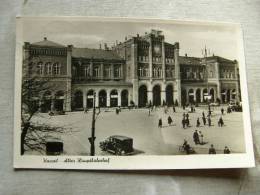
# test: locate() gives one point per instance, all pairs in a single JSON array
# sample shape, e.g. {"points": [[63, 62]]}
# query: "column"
{"points": [[150, 59], [194, 95], [102, 71], [112, 71], [163, 60], [201, 95], [69, 53], [187, 96], [96, 99], [149, 96], [52, 105], [91, 69], [177, 89], [119, 98], [108, 98], [163, 94], [84, 99], [134, 74]]}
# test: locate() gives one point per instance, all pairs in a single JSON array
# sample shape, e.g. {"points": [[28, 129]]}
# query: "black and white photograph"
{"points": [[122, 93]]}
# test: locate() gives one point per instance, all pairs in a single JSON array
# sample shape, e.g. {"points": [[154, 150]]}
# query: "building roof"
{"points": [[189, 60], [95, 54], [47, 43]]}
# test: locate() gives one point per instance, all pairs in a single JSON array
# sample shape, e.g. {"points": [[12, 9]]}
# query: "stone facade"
{"points": [[141, 70]]}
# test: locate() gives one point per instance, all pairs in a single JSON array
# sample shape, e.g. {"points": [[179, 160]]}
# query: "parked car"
{"points": [[118, 145]]}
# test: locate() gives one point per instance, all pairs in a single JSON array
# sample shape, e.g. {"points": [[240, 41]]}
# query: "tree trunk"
{"points": [[23, 135]]}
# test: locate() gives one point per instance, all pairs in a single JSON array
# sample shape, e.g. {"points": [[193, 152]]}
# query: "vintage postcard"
{"points": [[125, 93]]}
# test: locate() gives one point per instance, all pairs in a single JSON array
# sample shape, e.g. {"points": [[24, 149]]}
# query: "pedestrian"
{"points": [[209, 121], [196, 137], [204, 120], [160, 123], [184, 115], [222, 111], [187, 122], [203, 114], [149, 111], [220, 122], [187, 149], [201, 138], [212, 150], [187, 116], [169, 120], [226, 150], [183, 123], [198, 122], [173, 109]]}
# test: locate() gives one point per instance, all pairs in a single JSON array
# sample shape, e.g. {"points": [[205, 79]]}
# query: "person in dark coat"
{"points": [[160, 123], [220, 122], [187, 122], [212, 150], [198, 122], [196, 137], [222, 111], [204, 120], [184, 115], [187, 116], [209, 121], [183, 123], [169, 120], [173, 108], [226, 150], [203, 114]]}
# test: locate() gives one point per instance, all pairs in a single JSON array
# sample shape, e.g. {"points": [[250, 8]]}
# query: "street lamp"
{"points": [[205, 53], [92, 138]]}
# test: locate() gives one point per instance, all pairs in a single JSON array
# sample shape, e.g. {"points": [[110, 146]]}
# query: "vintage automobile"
{"points": [[118, 145]]}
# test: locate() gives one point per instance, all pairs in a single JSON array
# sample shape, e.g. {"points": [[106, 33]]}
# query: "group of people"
{"points": [[198, 137], [185, 120]]}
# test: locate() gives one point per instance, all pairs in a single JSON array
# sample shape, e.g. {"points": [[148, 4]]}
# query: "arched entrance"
{"points": [[205, 95], [59, 101], [102, 98], [157, 95], [191, 96], [78, 100], [114, 98], [223, 95], [46, 102], [142, 96], [124, 98], [198, 95], [212, 94], [228, 95], [90, 99], [183, 97], [169, 95]]}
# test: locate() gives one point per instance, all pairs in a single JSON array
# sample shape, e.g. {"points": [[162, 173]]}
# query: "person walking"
{"points": [[198, 122], [201, 138], [204, 120], [169, 120], [220, 122], [160, 123], [209, 121], [173, 109], [183, 123], [196, 137], [212, 150], [203, 114], [226, 150], [222, 111]]}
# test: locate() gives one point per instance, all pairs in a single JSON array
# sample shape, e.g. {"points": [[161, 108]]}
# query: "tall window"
{"points": [[117, 72], [87, 71], [96, 72], [107, 72], [48, 68], [40, 68], [56, 69]]}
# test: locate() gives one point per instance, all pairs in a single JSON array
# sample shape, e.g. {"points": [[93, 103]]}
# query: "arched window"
{"points": [[40, 68], [48, 68], [56, 69]]}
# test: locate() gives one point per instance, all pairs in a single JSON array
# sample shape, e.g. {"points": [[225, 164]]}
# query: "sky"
{"points": [[220, 39]]}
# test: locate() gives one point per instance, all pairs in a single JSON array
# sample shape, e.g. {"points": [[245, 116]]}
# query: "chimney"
{"points": [[125, 38], [105, 46], [100, 46], [137, 35], [45, 38], [186, 55]]}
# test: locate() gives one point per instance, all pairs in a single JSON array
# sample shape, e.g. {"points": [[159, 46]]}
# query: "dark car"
{"points": [[118, 145]]}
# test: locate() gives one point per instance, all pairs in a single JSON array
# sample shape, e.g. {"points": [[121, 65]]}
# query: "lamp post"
{"points": [[205, 53], [92, 138]]}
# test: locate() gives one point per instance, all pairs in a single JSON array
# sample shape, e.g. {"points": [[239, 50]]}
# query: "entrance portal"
{"points": [[169, 95], [157, 95], [102, 98], [142, 96]]}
